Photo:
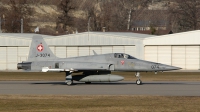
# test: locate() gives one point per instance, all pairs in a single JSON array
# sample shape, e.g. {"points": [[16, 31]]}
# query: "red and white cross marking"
{"points": [[40, 47]]}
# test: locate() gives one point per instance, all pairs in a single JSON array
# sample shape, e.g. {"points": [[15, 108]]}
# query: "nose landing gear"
{"points": [[138, 81]]}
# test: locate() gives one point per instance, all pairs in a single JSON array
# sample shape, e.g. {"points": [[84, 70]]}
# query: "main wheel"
{"points": [[138, 82], [69, 82]]}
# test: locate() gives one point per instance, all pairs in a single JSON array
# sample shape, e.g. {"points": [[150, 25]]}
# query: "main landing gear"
{"points": [[138, 81], [68, 78]]}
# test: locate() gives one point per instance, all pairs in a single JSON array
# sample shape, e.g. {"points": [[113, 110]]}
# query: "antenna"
{"points": [[88, 27], [21, 25], [2, 21], [0, 25]]}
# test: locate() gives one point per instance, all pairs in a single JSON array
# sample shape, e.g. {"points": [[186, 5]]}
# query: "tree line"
{"points": [[111, 15]]}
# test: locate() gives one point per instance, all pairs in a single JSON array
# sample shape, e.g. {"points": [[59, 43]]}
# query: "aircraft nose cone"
{"points": [[168, 67], [173, 68], [178, 68]]}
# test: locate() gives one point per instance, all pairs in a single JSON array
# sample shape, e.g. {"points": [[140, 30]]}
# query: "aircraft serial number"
{"points": [[155, 66], [43, 55]]}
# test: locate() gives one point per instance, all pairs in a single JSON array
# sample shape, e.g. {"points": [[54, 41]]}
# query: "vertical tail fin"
{"points": [[39, 51]]}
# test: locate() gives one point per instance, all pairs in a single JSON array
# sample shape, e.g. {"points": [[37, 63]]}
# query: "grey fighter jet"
{"points": [[95, 68]]}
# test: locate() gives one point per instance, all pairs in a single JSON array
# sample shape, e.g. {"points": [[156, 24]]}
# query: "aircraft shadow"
{"points": [[52, 83], [117, 83], [164, 83], [62, 83], [170, 83]]}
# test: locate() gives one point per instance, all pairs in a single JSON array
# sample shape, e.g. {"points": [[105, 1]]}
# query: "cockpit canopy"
{"points": [[122, 55]]}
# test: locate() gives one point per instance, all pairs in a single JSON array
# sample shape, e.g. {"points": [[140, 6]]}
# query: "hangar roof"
{"points": [[30, 35], [79, 39], [21, 35], [184, 38], [128, 34], [103, 38]]}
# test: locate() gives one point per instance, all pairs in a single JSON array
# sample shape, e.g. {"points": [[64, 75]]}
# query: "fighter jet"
{"points": [[94, 68]]}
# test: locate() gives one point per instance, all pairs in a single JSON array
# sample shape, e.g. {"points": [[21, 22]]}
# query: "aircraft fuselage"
{"points": [[104, 62]]}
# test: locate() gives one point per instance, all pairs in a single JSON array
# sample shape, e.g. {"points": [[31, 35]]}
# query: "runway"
{"points": [[154, 88]]}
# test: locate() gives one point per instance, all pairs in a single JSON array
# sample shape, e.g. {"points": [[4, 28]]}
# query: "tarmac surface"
{"points": [[154, 88]]}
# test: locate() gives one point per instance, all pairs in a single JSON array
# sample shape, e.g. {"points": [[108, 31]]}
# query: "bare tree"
{"points": [[92, 11], [111, 14], [18, 10], [136, 9], [3, 11], [185, 15], [66, 18]]}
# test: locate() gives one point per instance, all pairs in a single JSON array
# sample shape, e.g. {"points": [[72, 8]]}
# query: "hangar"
{"points": [[14, 48], [181, 49]]}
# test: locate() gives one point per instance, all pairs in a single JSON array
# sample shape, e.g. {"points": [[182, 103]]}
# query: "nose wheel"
{"points": [[138, 81]]}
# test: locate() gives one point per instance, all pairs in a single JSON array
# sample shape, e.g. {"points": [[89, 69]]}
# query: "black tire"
{"points": [[87, 82], [138, 82]]}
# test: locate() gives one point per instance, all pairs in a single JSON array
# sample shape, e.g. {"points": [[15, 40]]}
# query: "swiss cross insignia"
{"points": [[40, 47], [122, 62]]}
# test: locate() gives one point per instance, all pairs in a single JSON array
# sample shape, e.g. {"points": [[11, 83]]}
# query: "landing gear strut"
{"points": [[68, 78], [138, 81]]}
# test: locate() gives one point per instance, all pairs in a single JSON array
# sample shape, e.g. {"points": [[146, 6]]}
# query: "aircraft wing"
{"points": [[74, 67]]}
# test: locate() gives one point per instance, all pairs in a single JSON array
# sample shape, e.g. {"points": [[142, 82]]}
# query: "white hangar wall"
{"points": [[68, 51], [83, 44], [181, 49], [14, 48]]}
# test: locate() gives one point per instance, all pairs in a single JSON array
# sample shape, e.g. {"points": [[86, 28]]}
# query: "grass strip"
{"points": [[52, 103]]}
